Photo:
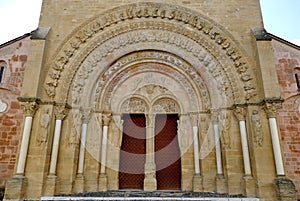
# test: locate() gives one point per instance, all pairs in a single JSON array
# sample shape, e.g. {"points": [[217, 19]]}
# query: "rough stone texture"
{"points": [[287, 65], [285, 189], [13, 57]]}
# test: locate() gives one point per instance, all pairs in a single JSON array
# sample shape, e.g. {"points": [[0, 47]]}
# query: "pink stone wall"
{"points": [[13, 57], [287, 60]]}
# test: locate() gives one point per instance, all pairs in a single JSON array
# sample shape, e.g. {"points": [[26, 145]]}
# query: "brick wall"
{"points": [[13, 57], [287, 65]]}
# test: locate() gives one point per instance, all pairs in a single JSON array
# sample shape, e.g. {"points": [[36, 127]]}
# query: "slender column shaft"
{"points": [[218, 149], [104, 149], [150, 160], [24, 145], [196, 150], [55, 146], [245, 149], [276, 146], [82, 148]]}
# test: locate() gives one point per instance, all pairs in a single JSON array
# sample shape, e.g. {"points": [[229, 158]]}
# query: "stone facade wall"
{"points": [[92, 56], [13, 58], [287, 65]]}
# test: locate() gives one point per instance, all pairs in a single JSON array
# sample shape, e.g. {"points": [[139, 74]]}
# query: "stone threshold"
{"points": [[146, 198]]}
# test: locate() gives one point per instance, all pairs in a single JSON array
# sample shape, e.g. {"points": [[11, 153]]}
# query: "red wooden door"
{"points": [[167, 153], [133, 150]]}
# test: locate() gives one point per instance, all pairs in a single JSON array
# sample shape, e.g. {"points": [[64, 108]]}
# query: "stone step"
{"points": [[145, 198], [149, 196]]}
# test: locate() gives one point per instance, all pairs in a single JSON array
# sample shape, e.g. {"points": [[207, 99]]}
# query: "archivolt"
{"points": [[157, 16]]}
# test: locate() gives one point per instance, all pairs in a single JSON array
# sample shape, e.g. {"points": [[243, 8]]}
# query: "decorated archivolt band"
{"points": [[164, 15]]}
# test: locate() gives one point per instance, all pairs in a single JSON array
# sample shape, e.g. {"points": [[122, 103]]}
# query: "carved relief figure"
{"points": [[44, 123], [224, 128], [258, 138]]}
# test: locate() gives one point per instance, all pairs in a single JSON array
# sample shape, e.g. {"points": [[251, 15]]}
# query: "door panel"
{"points": [[133, 150], [167, 153]]}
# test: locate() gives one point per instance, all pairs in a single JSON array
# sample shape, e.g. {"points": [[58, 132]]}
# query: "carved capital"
{"points": [[86, 115], [240, 112], [60, 111], [30, 108], [215, 117], [150, 119], [106, 117], [271, 108], [194, 119]]}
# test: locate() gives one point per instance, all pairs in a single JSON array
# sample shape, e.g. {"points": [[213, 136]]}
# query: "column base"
{"points": [[50, 187], [221, 184], [79, 184], [150, 183], [15, 188], [249, 186], [197, 183], [285, 189], [102, 186]]}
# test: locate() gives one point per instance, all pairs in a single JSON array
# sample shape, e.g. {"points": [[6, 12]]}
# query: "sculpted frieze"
{"points": [[158, 13]]}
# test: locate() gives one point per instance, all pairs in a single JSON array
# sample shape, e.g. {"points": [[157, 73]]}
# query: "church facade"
{"points": [[152, 96]]}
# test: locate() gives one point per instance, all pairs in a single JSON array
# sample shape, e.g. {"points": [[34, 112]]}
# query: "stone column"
{"points": [[79, 181], [150, 183], [15, 186], [106, 117], [240, 113], [197, 179], [29, 109], [285, 187], [220, 179], [60, 111], [271, 111]]}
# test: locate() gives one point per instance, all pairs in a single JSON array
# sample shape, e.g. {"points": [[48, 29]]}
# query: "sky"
{"points": [[17, 17]]}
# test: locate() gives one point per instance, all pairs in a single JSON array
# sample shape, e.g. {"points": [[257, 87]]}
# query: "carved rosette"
{"points": [[271, 108], [106, 117], [30, 108], [60, 111]]}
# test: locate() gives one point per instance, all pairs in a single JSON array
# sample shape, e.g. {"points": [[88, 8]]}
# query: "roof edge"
{"points": [[284, 41], [15, 40]]}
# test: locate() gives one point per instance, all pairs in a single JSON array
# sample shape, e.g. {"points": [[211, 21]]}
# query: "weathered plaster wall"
{"points": [[288, 64], [13, 57]]}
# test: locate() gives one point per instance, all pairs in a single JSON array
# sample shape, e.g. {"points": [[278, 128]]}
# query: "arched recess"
{"points": [[114, 31]]}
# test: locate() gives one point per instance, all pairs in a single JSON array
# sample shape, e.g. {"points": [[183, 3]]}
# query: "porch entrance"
{"points": [[133, 152]]}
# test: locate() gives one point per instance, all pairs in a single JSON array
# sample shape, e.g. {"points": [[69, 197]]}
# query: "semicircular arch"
{"points": [[207, 34]]}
